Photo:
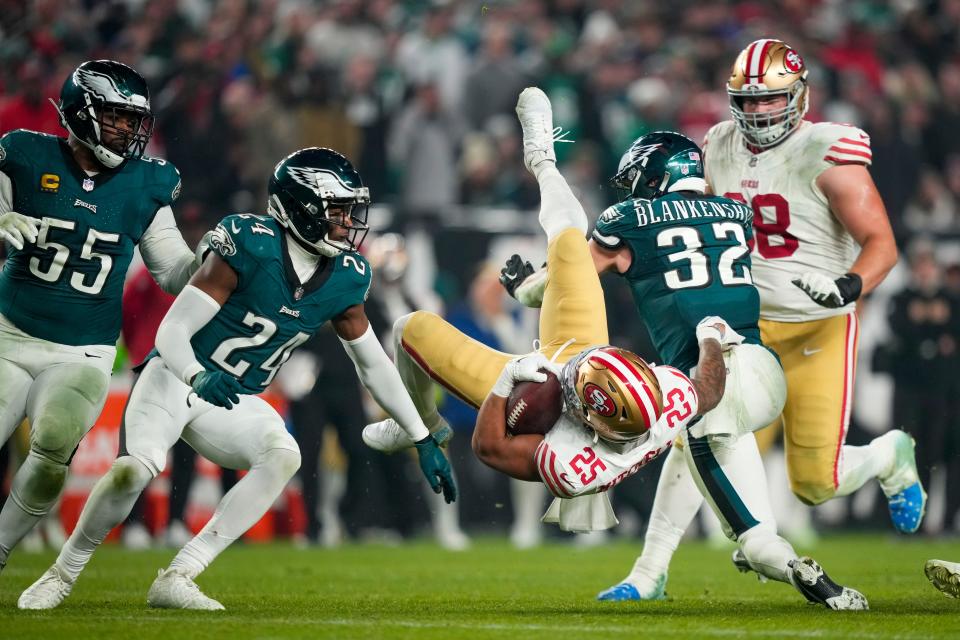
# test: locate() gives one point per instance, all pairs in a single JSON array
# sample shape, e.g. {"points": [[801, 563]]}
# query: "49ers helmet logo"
{"points": [[599, 400], [792, 61]]}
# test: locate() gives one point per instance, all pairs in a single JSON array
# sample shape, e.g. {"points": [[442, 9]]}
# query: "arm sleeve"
{"points": [[167, 256], [382, 380], [6, 193], [190, 312]]}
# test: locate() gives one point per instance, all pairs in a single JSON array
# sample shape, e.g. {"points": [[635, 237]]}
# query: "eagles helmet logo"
{"points": [[3, 153], [325, 184], [222, 242], [104, 87]]}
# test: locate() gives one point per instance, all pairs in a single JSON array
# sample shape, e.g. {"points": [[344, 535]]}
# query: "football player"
{"points": [[269, 283], [813, 202], [619, 411], [72, 210]]}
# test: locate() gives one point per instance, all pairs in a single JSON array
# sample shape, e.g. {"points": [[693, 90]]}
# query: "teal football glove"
{"points": [[436, 468], [217, 387]]}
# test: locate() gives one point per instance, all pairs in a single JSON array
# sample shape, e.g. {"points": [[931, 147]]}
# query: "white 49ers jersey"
{"points": [[795, 231], [571, 464]]}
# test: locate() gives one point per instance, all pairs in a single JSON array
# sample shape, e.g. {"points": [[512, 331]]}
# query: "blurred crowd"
{"points": [[420, 95]]}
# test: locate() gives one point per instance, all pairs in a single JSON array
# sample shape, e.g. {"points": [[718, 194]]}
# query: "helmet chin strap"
{"points": [[104, 156]]}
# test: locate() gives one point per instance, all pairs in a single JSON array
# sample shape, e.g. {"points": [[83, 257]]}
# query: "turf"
{"points": [[419, 591]]}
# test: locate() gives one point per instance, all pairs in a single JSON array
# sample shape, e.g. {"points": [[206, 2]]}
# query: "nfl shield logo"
{"points": [[87, 184], [298, 293]]}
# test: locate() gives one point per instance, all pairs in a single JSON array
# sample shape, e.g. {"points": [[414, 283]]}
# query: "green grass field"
{"points": [[419, 591]]}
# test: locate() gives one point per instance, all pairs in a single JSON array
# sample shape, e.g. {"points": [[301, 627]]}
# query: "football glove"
{"points": [[522, 369], [717, 328], [514, 272], [218, 388], [436, 468], [830, 293], [524, 283], [16, 227]]}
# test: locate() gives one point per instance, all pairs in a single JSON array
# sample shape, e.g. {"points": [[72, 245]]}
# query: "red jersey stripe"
{"points": [[852, 152], [860, 143]]}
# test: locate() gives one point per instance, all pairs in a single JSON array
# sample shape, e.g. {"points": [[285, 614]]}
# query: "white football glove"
{"points": [[821, 289], [16, 227], [828, 292], [522, 369], [717, 328]]}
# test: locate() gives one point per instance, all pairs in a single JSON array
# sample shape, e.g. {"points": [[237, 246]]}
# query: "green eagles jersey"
{"points": [[270, 313], [691, 259], [67, 287]]}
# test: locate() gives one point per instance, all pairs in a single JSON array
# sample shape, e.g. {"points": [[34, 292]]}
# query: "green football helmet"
{"points": [[657, 163], [106, 106], [320, 198]]}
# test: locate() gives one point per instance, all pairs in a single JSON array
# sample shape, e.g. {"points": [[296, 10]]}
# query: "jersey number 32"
{"points": [[693, 269]]}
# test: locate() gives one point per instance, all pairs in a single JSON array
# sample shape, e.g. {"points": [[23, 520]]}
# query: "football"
{"points": [[534, 407]]}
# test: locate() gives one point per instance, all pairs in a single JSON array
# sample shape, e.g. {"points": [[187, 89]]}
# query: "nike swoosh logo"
{"points": [[92, 355], [810, 352], [233, 227]]}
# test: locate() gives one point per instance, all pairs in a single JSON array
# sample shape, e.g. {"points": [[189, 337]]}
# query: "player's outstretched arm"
{"points": [[196, 305], [380, 377], [166, 255], [512, 455]]}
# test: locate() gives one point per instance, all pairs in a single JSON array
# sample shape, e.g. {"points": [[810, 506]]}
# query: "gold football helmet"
{"points": [[614, 392], [768, 68]]}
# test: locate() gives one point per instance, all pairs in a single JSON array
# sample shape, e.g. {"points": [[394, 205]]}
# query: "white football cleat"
{"points": [[174, 589], [906, 499], [47, 592], [389, 437], [536, 120], [945, 576]]}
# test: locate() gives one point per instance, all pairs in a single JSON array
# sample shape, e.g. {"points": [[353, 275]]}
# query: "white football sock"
{"points": [[239, 510], [858, 465], [418, 384], [109, 504], [767, 552], [35, 489], [559, 208], [676, 503]]}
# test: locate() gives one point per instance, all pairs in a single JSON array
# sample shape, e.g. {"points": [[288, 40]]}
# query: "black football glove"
{"points": [[514, 272]]}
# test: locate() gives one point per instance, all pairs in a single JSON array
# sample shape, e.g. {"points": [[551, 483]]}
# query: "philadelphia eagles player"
{"points": [[72, 212], [685, 256], [268, 285]]}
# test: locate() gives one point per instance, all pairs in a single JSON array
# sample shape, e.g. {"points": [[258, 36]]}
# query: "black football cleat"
{"points": [[816, 586]]}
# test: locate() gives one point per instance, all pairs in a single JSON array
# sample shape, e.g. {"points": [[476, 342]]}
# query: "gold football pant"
{"points": [[819, 358], [573, 311]]}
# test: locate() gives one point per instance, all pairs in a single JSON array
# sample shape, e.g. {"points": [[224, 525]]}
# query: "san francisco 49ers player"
{"points": [[814, 205], [620, 412]]}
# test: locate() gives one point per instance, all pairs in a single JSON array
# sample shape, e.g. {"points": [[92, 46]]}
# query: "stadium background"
{"points": [[420, 96]]}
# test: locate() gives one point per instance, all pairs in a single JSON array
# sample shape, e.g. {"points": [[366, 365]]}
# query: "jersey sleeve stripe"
{"points": [[539, 457], [556, 476], [611, 242], [852, 152], [859, 143], [548, 470], [836, 160]]}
